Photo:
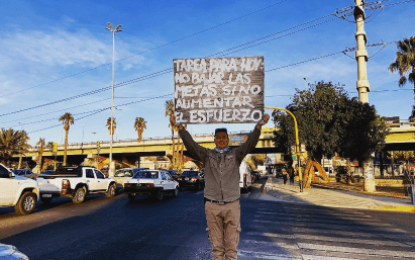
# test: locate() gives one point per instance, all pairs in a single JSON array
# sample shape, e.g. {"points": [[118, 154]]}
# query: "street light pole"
{"points": [[362, 84], [297, 144], [111, 29]]}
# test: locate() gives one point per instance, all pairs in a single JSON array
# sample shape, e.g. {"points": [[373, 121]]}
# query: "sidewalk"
{"points": [[328, 196]]}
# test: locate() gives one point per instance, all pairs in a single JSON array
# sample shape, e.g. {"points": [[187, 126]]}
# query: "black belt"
{"points": [[219, 202]]}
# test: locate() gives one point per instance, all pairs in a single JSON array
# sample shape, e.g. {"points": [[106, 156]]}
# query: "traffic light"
{"points": [[55, 147], [98, 145]]}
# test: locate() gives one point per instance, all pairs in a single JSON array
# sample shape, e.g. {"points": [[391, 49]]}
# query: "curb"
{"points": [[395, 208], [384, 194]]}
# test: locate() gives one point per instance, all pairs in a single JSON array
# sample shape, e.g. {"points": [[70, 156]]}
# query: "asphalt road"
{"points": [[175, 228]]}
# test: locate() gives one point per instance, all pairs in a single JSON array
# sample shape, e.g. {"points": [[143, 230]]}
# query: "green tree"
{"points": [[41, 149], [316, 110], [23, 146], [139, 125], [329, 121], [405, 156], [404, 64], [67, 120], [362, 131], [9, 143]]}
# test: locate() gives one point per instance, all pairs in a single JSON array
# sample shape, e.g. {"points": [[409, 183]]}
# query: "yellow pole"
{"points": [[297, 142]]}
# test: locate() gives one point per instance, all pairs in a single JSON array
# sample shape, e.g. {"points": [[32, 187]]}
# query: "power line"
{"points": [[65, 109], [77, 119], [152, 49], [169, 70], [159, 73], [247, 45], [50, 119], [100, 110]]}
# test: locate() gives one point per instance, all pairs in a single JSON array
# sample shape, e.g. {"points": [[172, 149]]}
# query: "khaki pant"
{"points": [[224, 225]]}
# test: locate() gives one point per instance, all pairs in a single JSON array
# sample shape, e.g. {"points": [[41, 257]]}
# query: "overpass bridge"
{"points": [[130, 151], [401, 137]]}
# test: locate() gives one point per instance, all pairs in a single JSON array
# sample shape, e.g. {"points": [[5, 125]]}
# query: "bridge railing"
{"points": [[152, 140]]}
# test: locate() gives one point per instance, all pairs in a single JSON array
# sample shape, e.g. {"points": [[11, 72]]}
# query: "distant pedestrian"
{"points": [[291, 174], [284, 175]]}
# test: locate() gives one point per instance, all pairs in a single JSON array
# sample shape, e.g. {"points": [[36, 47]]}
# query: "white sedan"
{"points": [[154, 183]]}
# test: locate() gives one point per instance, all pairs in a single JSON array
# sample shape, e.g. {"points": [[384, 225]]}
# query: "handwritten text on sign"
{"points": [[219, 90]]}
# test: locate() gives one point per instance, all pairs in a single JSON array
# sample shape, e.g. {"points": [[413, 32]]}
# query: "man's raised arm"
{"points": [[250, 144], [191, 146]]}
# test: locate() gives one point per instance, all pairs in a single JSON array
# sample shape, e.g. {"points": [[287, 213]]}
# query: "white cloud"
{"points": [[61, 48]]}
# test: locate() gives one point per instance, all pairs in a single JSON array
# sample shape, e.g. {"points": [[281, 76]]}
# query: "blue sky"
{"points": [[52, 50]]}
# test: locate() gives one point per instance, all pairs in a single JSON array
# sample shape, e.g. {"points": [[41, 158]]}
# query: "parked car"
{"points": [[10, 252], [25, 173], [121, 175], [18, 192], [76, 183], [192, 179], [151, 182], [173, 174]]}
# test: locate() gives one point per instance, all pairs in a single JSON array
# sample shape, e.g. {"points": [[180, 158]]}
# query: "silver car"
{"points": [[124, 174]]}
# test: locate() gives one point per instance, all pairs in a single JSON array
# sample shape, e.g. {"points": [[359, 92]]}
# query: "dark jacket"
{"points": [[221, 169]]}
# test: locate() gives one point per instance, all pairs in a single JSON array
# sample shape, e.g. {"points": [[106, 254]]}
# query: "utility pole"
{"points": [[111, 29], [362, 84]]}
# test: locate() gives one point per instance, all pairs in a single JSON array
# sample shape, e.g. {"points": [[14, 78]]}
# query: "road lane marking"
{"points": [[319, 257], [402, 236], [354, 250], [261, 255], [330, 239], [316, 219], [302, 210], [306, 215], [321, 225]]}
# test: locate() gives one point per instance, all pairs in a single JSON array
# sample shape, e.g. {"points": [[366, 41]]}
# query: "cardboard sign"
{"points": [[219, 90]]}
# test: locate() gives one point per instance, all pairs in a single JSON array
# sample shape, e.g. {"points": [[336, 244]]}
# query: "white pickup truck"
{"points": [[76, 183], [18, 192]]}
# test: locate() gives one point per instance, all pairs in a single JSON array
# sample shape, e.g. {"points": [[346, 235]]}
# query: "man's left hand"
{"points": [[263, 122]]}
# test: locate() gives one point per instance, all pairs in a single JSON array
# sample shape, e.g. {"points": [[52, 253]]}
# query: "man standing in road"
{"points": [[222, 192]]}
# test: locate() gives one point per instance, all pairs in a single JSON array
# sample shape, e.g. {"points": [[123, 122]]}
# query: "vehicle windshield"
{"points": [[190, 173], [124, 173], [18, 172], [146, 175], [139, 169]]}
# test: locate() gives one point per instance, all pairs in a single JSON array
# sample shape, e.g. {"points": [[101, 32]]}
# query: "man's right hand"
{"points": [[173, 122]]}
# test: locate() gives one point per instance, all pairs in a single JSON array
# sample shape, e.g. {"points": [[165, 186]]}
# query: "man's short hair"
{"points": [[217, 130]]}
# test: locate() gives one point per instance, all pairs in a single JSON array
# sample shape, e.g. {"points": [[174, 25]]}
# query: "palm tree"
{"points": [[405, 64], [169, 112], [9, 143], [109, 125], [41, 145], [23, 146], [139, 126], [67, 120]]}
